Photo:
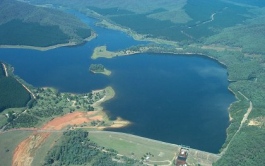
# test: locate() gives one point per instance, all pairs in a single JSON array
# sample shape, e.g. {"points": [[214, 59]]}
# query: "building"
{"points": [[182, 156]]}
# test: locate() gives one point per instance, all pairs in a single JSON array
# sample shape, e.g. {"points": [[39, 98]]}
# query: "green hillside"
{"points": [[24, 24], [13, 94]]}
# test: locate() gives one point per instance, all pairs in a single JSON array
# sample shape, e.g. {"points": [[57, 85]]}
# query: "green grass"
{"points": [[42, 151], [138, 147], [8, 143], [128, 145], [3, 118]]}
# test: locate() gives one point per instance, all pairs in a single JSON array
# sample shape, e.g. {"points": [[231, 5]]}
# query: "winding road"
{"points": [[245, 117]]}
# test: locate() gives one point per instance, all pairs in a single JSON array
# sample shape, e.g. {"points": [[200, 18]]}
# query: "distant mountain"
{"points": [[25, 24]]}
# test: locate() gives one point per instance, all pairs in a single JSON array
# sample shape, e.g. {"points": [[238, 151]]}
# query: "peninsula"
{"points": [[102, 52]]}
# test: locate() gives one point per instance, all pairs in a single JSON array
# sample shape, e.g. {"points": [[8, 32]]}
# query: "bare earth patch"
{"points": [[75, 118], [254, 123], [25, 151], [260, 121]]}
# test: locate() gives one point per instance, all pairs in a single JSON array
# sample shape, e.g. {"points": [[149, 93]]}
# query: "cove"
{"points": [[176, 99]]}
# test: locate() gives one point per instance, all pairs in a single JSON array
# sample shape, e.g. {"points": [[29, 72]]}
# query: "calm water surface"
{"points": [[176, 99]]}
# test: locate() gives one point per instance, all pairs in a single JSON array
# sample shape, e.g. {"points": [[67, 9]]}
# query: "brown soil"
{"points": [[25, 151], [75, 118], [253, 123]]}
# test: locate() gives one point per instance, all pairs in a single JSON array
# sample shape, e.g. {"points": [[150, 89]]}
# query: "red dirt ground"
{"points": [[24, 152]]}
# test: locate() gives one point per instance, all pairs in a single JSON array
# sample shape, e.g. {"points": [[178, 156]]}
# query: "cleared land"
{"points": [[102, 52], [139, 148], [8, 143], [131, 146], [37, 142]]}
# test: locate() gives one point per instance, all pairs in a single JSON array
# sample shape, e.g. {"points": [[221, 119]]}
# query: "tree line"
{"points": [[75, 148]]}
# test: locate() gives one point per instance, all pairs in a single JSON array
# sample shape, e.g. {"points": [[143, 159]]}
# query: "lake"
{"points": [[172, 98]]}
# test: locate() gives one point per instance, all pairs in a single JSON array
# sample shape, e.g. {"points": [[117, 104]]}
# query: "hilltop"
{"points": [[38, 26]]}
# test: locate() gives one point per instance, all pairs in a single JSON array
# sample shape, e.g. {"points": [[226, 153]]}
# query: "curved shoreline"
{"points": [[142, 38], [109, 54], [91, 37]]}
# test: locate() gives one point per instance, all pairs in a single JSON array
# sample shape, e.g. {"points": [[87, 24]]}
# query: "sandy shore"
{"points": [[110, 93], [105, 72], [5, 69], [93, 35]]}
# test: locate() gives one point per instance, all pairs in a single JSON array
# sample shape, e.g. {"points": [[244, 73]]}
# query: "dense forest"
{"points": [[245, 148], [30, 34], [38, 26], [13, 94], [96, 68], [2, 71], [75, 148]]}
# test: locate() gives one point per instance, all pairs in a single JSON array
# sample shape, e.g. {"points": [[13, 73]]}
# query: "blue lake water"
{"points": [[176, 99]]}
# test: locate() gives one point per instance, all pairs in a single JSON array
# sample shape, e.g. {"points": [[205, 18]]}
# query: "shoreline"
{"points": [[139, 37], [118, 122], [142, 38], [93, 36], [5, 69], [102, 52], [105, 72], [110, 93]]}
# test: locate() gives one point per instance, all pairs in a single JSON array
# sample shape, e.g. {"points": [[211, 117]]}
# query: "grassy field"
{"points": [[8, 143], [101, 52], [139, 148], [42, 151], [134, 147]]}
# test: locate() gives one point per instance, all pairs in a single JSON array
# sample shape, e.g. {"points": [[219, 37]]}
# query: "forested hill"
{"points": [[24, 24], [13, 94]]}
